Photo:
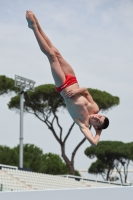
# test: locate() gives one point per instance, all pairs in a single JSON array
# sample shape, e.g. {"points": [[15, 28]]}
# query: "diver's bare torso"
{"points": [[78, 106]]}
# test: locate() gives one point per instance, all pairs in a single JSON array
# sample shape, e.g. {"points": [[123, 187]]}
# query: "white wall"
{"points": [[121, 193]]}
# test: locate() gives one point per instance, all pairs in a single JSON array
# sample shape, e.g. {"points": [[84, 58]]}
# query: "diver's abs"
{"points": [[78, 108]]}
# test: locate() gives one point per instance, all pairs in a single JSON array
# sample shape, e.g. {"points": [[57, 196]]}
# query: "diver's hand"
{"points": [[98, 132], [71, 93]]}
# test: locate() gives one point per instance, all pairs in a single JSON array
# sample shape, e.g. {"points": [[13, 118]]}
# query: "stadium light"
{"points": [[24, 84]]}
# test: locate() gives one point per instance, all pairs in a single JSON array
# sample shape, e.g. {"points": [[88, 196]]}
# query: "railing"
{"points": [[78, 178], [8, 166], [115, 173]]}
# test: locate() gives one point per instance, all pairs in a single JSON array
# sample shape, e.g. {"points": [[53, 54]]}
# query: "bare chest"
{"points": [[79, 109]]}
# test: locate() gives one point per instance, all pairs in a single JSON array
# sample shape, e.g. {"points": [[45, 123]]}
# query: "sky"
{"points": [[95, 37]]}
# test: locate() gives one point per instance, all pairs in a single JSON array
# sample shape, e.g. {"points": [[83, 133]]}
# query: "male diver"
{"points": [[80, 104]]}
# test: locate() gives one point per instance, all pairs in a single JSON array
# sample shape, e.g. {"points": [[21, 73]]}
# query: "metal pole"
{"points": [[21, 128], [27, 84]]}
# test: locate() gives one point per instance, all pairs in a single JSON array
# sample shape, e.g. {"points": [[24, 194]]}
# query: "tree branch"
{"points": [[126, 170], [74, 152], [30, 112], [50, 126], [57, 120], [104, 176], [38, 109], [55, 135], [119, 172], [69, 131], [38, 117]]}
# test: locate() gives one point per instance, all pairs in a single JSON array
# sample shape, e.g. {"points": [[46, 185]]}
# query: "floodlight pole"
{"points": [[21, 128], [27, 85]]}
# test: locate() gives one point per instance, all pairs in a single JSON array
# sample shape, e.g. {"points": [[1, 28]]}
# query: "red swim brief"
{"points": [[70, 80]]}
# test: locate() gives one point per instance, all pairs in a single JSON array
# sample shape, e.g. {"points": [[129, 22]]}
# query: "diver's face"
{"points": [[96, 119]]}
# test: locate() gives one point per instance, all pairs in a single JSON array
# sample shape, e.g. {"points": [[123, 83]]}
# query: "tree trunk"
{"points": [[126, 171], [108, 175], [69, 164], [120, 177]]}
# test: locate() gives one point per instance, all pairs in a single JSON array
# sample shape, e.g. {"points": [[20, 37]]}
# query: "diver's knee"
{"points": [[52, 55], [57, 53]]}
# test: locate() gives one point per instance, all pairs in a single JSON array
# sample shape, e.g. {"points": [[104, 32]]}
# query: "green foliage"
{"points": [[15, 103], [104, 100], [53, 164], [8, 156], [98, 167], [107, 150], [110, 155], [76, 173], [129, 150], [7, 85], [43, 99], [34, 159]]}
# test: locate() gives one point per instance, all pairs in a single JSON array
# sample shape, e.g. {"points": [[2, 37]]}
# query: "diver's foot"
{"points": [[30, 19], [36, 20]]}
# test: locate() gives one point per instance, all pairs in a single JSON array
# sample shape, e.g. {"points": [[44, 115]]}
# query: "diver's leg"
{"points": [[57, 72], [67, 69]]}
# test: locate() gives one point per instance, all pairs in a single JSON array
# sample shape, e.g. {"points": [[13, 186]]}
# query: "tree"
{"points": [[52, 164], [100, 167], [8, 156], [7, 85], [123, 160], [44, 163], [45, 103], [110, 155], [34, 159]]}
